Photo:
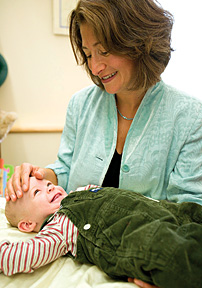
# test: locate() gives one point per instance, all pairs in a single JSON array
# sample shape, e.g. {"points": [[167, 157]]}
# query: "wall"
{"points": [[43, 74], [42, 77], [184, 69]]}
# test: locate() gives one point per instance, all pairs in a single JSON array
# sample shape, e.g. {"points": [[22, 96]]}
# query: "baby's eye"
{"points": [[49, 183], [36, 191]]}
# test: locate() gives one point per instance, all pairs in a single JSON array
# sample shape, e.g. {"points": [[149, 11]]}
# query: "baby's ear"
{"points": [[26, 226]]}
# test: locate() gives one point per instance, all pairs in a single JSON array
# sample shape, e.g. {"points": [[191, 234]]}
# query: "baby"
{"points": [[42, 200], [122, 232]]}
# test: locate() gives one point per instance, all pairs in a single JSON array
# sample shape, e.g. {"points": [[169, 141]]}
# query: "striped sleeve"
{"points": [[56, 239], [90, 186]]}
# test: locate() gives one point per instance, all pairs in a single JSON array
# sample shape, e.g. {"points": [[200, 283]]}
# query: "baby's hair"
{"points": [[12, 214]]}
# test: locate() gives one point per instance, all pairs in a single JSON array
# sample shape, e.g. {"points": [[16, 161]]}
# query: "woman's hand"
{"points": [[141, 283], [19, 181]]}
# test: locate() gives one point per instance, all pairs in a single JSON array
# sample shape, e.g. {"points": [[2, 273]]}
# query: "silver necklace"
{"points": [[124, 117]]}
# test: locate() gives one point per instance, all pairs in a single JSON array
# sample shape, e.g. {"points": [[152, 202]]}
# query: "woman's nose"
{"points": [[96, 66]]}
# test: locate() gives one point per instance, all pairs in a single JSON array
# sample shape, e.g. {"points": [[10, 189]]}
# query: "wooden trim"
{"points": [[36, 130]]}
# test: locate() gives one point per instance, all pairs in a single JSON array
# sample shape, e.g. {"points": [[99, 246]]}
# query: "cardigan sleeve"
{"points": [[185, 182]]}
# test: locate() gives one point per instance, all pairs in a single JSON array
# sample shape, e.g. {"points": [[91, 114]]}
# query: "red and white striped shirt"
{"points": [[56, 239]]}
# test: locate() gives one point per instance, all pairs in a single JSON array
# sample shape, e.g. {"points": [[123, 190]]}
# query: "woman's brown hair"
{"points": [[138, 29]]}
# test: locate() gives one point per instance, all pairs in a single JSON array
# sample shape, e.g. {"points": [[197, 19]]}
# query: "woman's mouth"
{"points": [[108, 78]]}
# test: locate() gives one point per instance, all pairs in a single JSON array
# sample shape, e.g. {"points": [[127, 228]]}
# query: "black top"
{"points": [[112, 176]]}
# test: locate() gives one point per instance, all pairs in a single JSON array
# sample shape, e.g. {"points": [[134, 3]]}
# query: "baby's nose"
{"points": [[50, 188]]}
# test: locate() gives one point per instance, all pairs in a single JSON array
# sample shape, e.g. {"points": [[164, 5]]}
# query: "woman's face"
{"points": [[116, 72]]}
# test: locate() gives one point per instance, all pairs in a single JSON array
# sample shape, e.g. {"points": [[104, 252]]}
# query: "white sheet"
{"points": [[63, 272]]}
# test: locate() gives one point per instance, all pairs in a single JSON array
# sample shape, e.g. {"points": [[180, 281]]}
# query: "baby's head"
{"points": [[29, 212]]}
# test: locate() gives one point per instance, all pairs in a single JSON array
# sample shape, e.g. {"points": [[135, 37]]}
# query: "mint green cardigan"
{"points": [[162, 155]]}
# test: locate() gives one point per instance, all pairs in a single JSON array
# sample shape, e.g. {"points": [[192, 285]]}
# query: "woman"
{"points": [[129, 130]]}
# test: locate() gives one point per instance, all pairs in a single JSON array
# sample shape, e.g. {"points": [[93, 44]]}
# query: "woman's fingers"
{"points": [[39, 173], [13, 188], [9, 192], [19, 182], [26, 170], [141, 283]]}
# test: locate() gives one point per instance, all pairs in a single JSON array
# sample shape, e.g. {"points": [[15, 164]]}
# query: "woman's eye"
{"points": [[88, 56], [104, 53]]}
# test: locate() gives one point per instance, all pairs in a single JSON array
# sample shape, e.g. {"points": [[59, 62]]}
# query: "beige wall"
{"points": [[42, 77]]}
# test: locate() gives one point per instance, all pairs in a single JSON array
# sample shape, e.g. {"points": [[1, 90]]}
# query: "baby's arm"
{"points": [[90, 186], [49, 244]]}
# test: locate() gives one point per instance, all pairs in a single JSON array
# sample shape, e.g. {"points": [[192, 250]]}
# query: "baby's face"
{"points": [[43, 199]]}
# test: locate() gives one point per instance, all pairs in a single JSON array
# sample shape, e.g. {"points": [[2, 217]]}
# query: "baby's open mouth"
{"points": [[55, 197]]}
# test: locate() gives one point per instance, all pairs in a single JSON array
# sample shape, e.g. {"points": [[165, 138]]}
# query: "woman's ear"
{"points": [[26, 226]]}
